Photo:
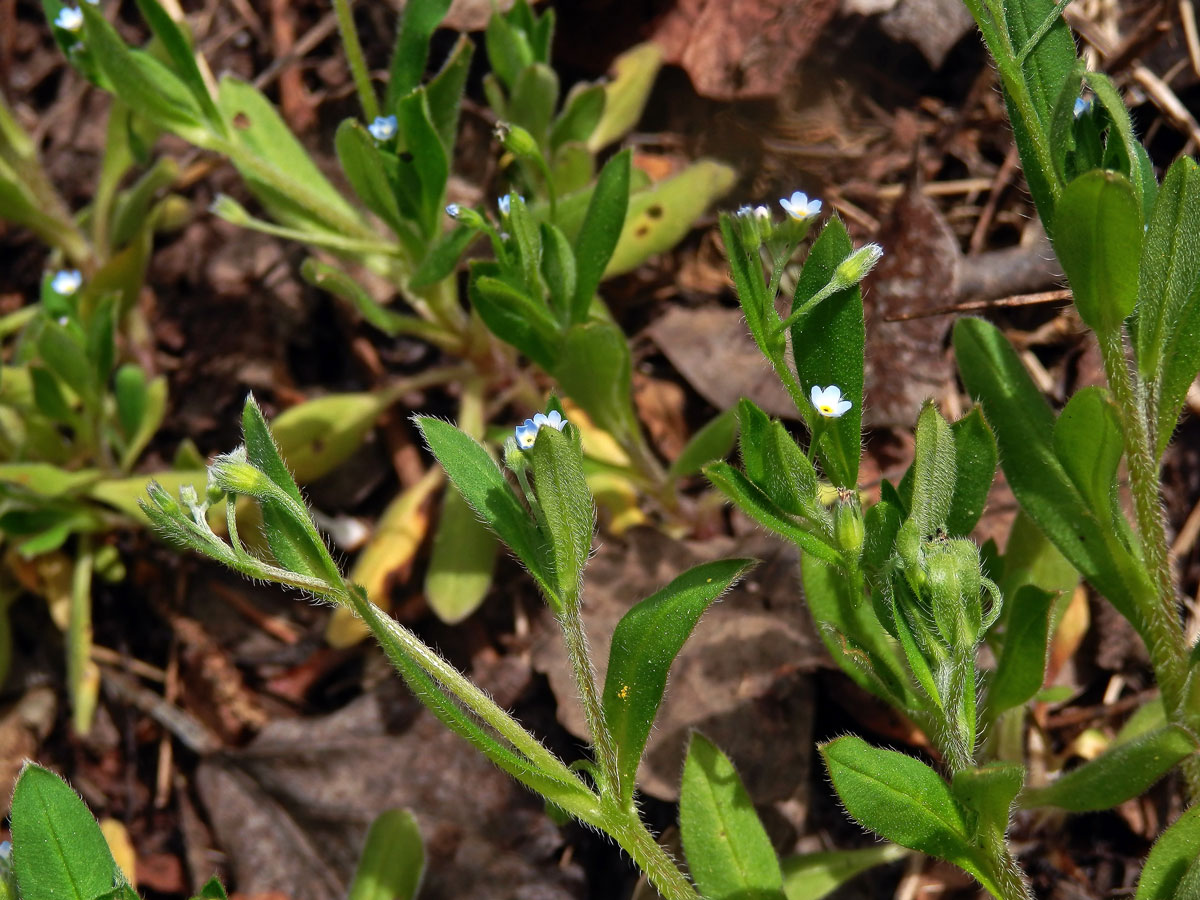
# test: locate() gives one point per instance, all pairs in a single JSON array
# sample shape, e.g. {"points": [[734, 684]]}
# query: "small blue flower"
{"points": [[554, 419], [799, 207], [505, 203], [828, 401], [526, 432], [66, 282], [69, 19], [452, 210], [5, 850], [1082, 107], [745, 211], [383, 128], [762, 213]]}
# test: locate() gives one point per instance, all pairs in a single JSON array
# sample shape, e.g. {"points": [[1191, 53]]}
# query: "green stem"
{"points": [[1008, 876], [649, 855], [571, 621], [1165, 639], [354, 56], [83, 684], [390, 632], [995, 35]]}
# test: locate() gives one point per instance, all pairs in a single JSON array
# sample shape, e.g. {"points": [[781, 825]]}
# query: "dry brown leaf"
{"points": [[735, 49], [292, 809], [906, 361], [712, 349]]}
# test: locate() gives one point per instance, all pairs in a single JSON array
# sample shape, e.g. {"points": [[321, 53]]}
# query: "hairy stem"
{"points": [[571, 621], [1164, 633], [650, 857]]}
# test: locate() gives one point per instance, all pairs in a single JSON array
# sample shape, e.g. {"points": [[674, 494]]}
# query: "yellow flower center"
{"points": [[826, 409]]}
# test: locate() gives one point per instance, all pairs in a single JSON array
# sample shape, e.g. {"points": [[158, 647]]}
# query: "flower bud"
{"points": [[514, 457], [518, 141], [162, 499], [464, 215], [848, 523], [231, 472], [855, 267]]}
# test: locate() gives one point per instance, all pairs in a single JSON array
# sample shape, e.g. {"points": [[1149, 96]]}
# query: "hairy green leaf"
{"points": [[644, 645], [727, 848], [58, 849], [1116, 775]]}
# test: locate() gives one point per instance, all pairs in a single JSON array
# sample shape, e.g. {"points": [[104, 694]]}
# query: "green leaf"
{"points": [[1172, 856], [558, 270], [533, 101], [143, 83], [827, 345], [129, 389], [594, 369], [1167, 337], [179, 49], [528, 240], [1123, 149], [294, 542], [634, 72], [362, 162], [392, 861], [45, 479], [461, 564], [152, 408], [485, 488], [1118, 774], [1048, 64], [58, 849], [729, 854], [975, 456], [442, 258], [644, 645], [562, 491], [1098, 238], [418, 22], [660, 216], [1024, 424], [445, 92], [758, 506], [712, 442], [513, 316], [580, 116], [1021, 667], [759, 310], [508, 49], [212, 890], [600, 231], [318, 435], [933, 472], [1088, 443], [338, 283], [902, 800], [811, 876], [426, 155], [261, 131], [1181, 363], [987, 793], [66, 357]]}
